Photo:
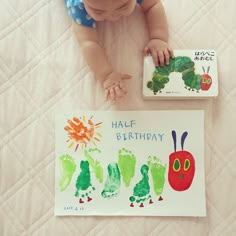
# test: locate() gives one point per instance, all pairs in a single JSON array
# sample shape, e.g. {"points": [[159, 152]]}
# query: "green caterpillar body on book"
{"points": [[184, 65]]}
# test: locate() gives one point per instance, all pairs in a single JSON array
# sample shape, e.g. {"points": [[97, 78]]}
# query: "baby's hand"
{"points": [[159, 51], [114, 86]]}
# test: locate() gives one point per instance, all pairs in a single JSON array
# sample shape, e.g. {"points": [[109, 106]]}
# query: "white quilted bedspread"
{"points": [[42, 72]]}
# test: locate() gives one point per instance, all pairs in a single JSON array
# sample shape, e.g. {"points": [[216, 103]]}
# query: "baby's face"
{"points": [[110, 10]]}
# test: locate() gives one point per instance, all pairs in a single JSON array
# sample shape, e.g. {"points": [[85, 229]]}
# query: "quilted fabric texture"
{"points": [[43, 72]]}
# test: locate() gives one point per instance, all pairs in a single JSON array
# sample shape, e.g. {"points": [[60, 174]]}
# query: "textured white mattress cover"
{"points": [[43, 72]]}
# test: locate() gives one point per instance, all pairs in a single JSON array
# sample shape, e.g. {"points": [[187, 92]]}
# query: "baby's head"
{"points": [[110, 10]]}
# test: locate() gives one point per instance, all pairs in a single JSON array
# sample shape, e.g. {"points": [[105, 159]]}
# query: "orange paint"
{"points": [[82, 131]]}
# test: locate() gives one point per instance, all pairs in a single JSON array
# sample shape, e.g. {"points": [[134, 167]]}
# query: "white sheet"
{"points": [[42, 71]]}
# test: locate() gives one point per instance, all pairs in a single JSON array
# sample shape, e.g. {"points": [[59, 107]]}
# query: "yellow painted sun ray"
{"points": [[83, 146], [98, 134], [98, 124], [70, 144]]}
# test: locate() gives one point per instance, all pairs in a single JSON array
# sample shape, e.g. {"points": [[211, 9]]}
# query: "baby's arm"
{"points": [[94, 54], [158, 32]]}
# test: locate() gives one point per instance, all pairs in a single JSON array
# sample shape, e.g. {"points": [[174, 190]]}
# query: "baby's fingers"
{"points": [[119, 92], [161, 58], [146, 51], [171, 53], [123, 87], [167, 57], [155, 58], [109, 94], [106, 95], [112, 94], [168, 53]]}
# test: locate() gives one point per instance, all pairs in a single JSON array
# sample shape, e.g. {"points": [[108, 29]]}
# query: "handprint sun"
{"points": [[82, 131]]}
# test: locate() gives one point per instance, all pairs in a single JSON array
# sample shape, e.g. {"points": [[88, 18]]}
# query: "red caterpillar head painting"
{"points": [[181, 166], [206, 80]]}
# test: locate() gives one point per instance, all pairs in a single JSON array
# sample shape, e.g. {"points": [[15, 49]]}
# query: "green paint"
{"points": [[94, 164], [157, 170], [186, 164], [126, 163], [68, 168], [176, 164], [142, 188], [112, 184], [132, 198], [181, 64], [84, 179]]}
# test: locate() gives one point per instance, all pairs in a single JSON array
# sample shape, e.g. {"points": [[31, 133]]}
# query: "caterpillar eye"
{"points": [[186, 164], [176, 165], [208, 81]]}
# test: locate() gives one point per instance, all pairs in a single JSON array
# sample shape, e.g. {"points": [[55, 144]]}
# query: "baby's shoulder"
{"points": [[78, 13]]}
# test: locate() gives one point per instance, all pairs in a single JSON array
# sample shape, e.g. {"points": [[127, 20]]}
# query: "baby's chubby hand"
{"points": [[160, 51], [114, 85]]}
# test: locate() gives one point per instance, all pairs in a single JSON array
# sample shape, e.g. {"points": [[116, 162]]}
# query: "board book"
{"points": [[130, 163], [190, 74]]}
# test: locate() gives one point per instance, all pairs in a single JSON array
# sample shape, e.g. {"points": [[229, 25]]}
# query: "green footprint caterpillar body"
{"points": [[158, 171], [83, 183], [141, 191], [68, 168], [112, 184], [94, 164], [126, 163]]}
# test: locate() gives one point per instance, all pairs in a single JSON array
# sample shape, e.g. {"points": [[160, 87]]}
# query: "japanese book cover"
{"points": [[190, 74]]}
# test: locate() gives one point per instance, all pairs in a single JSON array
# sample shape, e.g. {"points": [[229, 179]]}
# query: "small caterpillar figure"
{"points": [[184, 65]]}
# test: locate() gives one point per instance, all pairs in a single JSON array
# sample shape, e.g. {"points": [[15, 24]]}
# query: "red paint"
{"points": [[160, 198], [150, 201], [89, 199], [141, 205], [181, 170]]}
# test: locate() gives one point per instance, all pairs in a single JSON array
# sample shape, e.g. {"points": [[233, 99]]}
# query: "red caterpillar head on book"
{"points": [[206, 79], [181, 166]]}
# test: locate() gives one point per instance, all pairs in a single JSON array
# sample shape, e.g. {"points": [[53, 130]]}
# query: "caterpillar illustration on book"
{"points": [[184, 65]]}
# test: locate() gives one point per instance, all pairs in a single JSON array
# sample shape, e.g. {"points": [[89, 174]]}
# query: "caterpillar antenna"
{"points": [[184, 135], [208, 69], [174, 139], [203, 69]]}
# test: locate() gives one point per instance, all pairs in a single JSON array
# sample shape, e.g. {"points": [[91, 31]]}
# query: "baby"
{"points": [[86, 13]]}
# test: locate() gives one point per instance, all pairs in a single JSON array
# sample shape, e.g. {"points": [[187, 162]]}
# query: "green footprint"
{"points": [[141, 191], [126, 163], [83, 182], [157, 170], [94, 164], [68, 168], [112, 184]]}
